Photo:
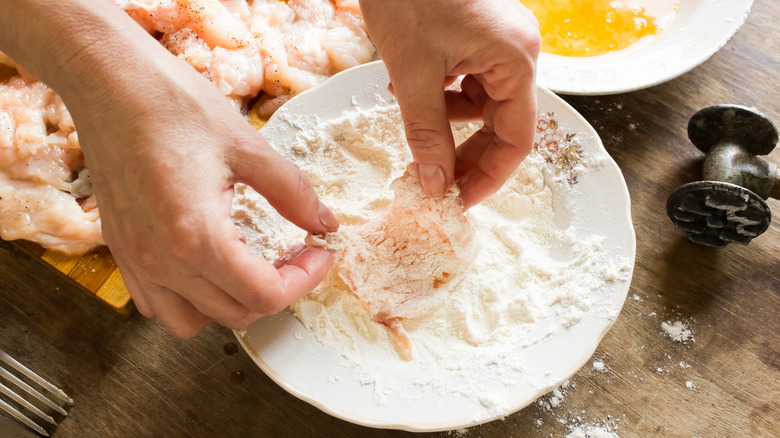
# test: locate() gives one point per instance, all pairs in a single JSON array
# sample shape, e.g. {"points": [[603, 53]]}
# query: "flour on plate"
{"points": [[535, 274]]}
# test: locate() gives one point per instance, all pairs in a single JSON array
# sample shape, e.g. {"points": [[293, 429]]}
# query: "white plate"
{"points": [[291, 355], [701, 28]]}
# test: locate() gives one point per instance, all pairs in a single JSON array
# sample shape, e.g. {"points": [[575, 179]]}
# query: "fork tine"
{"points": [[21, 418], [33, 392], [5, 390], [37, 379], [55, 398]]}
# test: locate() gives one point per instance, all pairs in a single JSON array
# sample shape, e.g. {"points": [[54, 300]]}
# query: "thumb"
{"points": [[420, 96], [284, 186]]}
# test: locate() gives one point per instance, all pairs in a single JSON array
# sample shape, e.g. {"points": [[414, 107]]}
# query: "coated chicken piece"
{"points": [[404, 263]]}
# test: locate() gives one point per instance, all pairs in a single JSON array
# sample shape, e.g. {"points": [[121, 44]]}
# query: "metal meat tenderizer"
{"points": [[728, 205]]}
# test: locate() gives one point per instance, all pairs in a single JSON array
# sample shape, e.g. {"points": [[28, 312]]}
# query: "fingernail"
{"points": [[327, 218], [432, 179]]}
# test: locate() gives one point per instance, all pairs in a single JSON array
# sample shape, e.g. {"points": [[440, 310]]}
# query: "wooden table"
{"points": [[130, 379]]}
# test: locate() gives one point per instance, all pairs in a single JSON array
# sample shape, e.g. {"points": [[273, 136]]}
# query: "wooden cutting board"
{"points": [[94, 272]]}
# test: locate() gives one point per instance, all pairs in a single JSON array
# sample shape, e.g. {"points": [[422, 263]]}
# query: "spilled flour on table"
{"points": [[577, 422], [598, 366], [535, 274], [677, 331], [592, 431]]}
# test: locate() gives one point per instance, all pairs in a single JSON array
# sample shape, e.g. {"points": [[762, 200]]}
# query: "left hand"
{"points": [[426, 45]]}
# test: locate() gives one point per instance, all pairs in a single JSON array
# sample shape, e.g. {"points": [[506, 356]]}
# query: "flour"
{"points": [[575, 420], [677, 331], [591, 432], [599, 366], [534, 275], [554, 398]]}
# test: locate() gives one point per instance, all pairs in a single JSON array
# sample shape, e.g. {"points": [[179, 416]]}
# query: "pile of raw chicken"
{"points": [[286, 47]]}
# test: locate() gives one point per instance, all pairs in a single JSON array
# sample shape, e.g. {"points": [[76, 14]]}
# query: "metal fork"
{"points": [[51, 405]]}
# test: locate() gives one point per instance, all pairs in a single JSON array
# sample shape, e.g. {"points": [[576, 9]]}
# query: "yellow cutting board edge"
{"points": [[94, 272]]}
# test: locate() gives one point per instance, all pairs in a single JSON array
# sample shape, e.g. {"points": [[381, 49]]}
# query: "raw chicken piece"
{"points": [[306, 41], [211, 36], [404, 263], [237, 73], [269, 48], [45, 192], [212, 20], [50, 217]]}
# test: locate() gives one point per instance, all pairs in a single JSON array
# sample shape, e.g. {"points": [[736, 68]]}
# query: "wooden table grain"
{"points": [[130, 379]]}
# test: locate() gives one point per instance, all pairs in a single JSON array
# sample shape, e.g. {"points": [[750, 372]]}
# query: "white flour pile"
{"points": [[534, 274], [677, 331]]}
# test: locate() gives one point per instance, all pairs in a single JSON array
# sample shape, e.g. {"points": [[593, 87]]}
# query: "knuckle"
{"points": [[529, 40], [304, 188], [267, 301], [275, 305], [183, 237], [183, 225], [144, 256], [183, 330], [298, 194], [240, 320], [492, 171], [534, 44], [424, 138]]}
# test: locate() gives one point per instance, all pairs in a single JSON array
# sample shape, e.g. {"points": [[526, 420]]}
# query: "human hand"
{"points": [[164, 149], [426, 45]]}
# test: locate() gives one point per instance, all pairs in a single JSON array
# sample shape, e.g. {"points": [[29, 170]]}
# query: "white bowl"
{"points": [[700, 29], [291, 355]]}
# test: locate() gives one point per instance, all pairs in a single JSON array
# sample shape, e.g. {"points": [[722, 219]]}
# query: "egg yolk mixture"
{"points": [[595, 27]]}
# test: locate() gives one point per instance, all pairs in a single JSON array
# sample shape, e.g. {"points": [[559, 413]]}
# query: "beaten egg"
{"points": [[596, 27]]}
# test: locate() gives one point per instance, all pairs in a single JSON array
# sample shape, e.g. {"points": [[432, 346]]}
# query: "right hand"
{"points": [[426, 44]]}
